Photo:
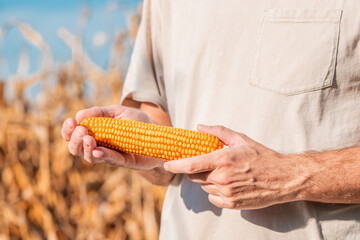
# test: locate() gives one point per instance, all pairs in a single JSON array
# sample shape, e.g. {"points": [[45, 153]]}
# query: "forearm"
{"points": [[334, 176], [157, 176]]}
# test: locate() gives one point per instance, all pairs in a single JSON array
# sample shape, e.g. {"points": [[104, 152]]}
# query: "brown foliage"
{"points": [[45, 193]]}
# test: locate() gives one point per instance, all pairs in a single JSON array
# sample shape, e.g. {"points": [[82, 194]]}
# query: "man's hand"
{"points": [[81, 144], [246, 175]]}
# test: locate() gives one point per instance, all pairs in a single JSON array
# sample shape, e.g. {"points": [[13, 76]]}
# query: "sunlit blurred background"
{"points": [[57, 57]]}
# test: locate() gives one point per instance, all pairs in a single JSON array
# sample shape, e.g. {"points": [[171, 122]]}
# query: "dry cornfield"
{"points": [[45, 193]]}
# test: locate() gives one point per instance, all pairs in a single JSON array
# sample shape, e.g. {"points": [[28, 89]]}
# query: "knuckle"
{"points": [[219, 128], [228, 192], [95, 109], [223, 180], [81, 131], [88, 142], [239, 138], [190, 168], [68, 122], [73, 151], [112, 163], [249, 152], [115, 163], [87, 147], [79, 114], [231, 204], [227, 160], [126, 163], [245, 138]]}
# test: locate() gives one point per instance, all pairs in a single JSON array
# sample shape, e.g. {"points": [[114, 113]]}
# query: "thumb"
{"points": [[126, 160], [226, 135], [102, 154]]}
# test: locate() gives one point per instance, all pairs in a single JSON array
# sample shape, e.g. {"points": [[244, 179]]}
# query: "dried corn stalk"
{"points": [[45, 193]]}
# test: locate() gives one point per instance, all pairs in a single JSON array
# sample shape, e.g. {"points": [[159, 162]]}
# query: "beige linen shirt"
{"points": [[284, 72]]}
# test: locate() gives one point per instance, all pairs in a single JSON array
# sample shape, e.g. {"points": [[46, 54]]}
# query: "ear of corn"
{"points": [[167, 143]]}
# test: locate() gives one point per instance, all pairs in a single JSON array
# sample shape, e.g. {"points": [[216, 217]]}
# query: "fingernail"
{"points": [[97, 153], [166, 167]]}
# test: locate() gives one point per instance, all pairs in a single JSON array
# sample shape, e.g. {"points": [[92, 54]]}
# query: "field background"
{"points": [[45, 193]]}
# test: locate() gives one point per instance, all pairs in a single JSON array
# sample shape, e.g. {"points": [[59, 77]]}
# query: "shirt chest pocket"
{"points": [[296, 50]]}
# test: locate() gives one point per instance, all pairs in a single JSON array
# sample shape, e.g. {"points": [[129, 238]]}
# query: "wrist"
{"points": [[302, 172], [326, 179]]}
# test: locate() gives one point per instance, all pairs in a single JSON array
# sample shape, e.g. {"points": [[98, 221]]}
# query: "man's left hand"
{"points": [[246, 175]]}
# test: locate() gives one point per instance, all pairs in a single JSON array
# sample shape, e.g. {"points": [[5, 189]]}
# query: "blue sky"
{"points": [[47, 16]]}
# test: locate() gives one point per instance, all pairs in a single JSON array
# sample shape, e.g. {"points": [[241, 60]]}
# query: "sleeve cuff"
{"points": [[135, 98]]}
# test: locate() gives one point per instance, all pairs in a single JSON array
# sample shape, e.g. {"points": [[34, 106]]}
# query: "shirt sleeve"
{"points": [[144, 81]]}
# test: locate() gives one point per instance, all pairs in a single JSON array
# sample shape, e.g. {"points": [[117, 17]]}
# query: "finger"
{"points": [[216, 200], [115, 111], [76, 141], [221, 202], [91, 112], [201, 178], [203, 163], [108, 111], [225, 192], [144, 163], [210, 189], [112, 157], [121, 112], [68, 128], [226, 135], [126, 160], [89, 144]]}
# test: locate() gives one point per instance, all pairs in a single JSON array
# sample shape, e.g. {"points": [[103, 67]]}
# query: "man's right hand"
{"points": [[81, 144]]}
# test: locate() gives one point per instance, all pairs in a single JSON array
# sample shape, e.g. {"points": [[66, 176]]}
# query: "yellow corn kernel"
{"points": [[167, 143]]}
